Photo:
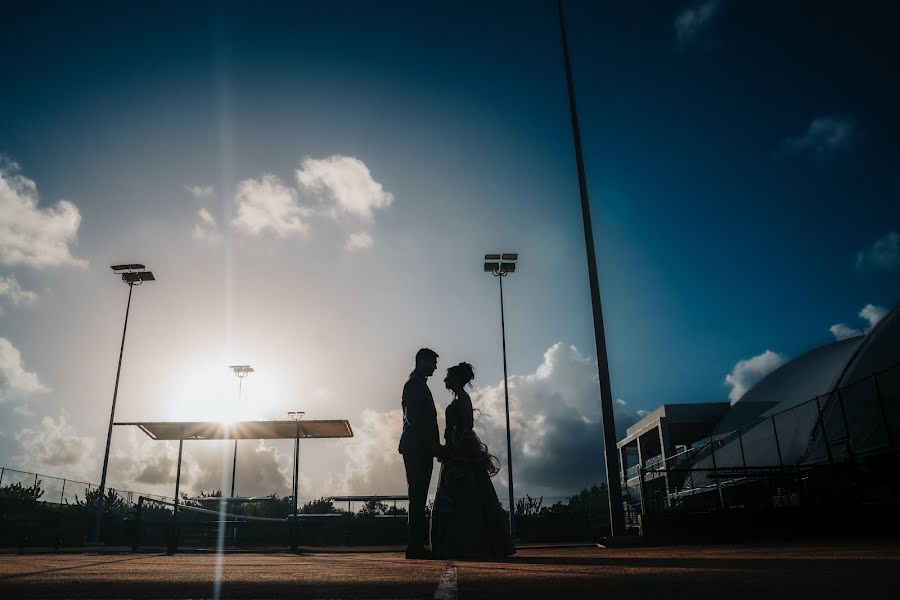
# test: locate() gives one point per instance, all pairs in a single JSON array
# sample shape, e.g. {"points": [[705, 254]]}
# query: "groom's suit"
{"points": [[419, 444]]}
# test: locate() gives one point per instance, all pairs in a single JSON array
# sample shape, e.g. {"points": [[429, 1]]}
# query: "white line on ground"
{"points": [[446, 589]]}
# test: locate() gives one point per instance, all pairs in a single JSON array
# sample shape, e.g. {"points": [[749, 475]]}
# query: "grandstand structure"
{"points": [[819, 434]]}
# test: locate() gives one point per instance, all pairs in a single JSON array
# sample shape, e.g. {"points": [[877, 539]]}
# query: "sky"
{"points": [[314, 186]]}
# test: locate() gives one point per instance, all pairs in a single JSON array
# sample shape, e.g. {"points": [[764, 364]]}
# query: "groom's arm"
{"points": [[420, 415]]}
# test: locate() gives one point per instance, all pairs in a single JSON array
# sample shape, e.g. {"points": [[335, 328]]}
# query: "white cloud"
{"points": [[693, 21], [206, 229], [14, 293], [13, 376], [358, 241], [342, 185], [842, 331], [201, 192], [32, 236], [266, 204], [373, 464], [556, 431], [870, 313], [824, 136], [57, 447], [747, 372], [884, 254], [140, 463]]}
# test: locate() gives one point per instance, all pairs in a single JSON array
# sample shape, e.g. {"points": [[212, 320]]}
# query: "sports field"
{"points": [[839, 570]]}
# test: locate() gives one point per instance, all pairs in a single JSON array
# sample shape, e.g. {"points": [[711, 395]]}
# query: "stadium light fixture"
{"points": [[501, 270], [134, 275]]}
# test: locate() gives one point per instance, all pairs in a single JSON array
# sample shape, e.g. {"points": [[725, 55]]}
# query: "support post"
{"points": [[173, 533], [616, 514], [295, 486]]}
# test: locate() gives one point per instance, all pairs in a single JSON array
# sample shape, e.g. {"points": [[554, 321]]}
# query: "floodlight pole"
{"points": [[112, 413], [234, 458], [240, 372], [616, 514], [512, 504], [501, 270]]}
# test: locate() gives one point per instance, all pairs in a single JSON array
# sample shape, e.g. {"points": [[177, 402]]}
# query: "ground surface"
{"points": [[838, 570]]}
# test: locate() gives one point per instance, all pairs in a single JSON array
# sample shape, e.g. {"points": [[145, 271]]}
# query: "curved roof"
{"points": [[807, 376], [880, 349]]}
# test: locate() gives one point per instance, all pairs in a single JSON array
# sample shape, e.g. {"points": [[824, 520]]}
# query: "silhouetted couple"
{"points": [[467, 520]]}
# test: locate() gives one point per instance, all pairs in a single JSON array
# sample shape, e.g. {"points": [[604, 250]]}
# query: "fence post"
{"points": [[712, 447], [824, 433], [2, 473], [884, 419], [34, 488], [777, 443], [136, 542], [62, 494], [840, 398]]}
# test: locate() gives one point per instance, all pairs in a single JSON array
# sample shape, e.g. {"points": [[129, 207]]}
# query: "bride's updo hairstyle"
{"points": [[462, 373]]}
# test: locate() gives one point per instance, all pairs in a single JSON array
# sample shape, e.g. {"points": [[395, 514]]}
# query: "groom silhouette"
{"points": [[419, 444]]}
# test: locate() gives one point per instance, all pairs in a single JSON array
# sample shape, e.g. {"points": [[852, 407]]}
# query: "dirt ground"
{"points": [[838, 570]]}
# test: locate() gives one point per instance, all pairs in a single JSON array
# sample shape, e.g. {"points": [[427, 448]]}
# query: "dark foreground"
{"points": [[834, 570]]}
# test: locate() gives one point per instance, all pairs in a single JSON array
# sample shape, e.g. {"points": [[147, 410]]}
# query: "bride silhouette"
{"points": [[467, 520]]}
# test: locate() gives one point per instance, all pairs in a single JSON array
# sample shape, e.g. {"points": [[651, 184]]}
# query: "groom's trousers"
{"points": [[418, 477]]}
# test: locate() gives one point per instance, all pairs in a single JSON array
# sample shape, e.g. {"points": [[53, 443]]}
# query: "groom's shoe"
{"points": [[418, 554]]}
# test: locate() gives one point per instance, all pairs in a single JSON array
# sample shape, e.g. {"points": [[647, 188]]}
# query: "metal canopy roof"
{"points": [[244, 430]]}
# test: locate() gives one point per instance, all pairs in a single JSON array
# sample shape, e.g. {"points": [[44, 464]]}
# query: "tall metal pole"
{"points": [[616, 514], [512, 504], [234, 461], [112, 414]]}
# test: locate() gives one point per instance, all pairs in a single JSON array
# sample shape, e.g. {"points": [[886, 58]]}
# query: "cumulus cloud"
{"points": [[266, 204], [870, 313], [693, 21], [841, 331], [825, 136], [748, 371], [33, 236], [139, 463], [373, 464], [358, 241], [206, 229], [14, 378], [339, 188], [201, 192], [57, 447], [555, 424], [883, 255], [342, 185], [12, 291]]}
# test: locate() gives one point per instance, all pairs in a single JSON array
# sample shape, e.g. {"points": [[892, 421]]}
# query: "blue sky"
{"points": [[741, 159]]}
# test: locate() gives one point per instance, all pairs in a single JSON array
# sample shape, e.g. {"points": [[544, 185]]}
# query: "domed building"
{"points": [[834, 408]]}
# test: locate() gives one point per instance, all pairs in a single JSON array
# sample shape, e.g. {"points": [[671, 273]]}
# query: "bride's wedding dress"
{"points": [[467, 520]]}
